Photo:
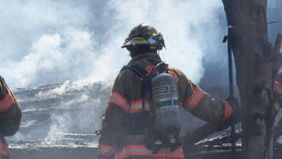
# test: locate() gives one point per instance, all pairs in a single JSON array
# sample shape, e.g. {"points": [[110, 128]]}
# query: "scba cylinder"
{"points": [[165, 100]]}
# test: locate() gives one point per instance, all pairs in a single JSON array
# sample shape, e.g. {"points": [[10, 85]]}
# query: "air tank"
{"points": [[165, 100]]}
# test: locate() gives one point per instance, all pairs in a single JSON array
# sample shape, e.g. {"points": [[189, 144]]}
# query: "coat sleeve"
{"points": [[10, 112], [114, 119], [201, 104]]}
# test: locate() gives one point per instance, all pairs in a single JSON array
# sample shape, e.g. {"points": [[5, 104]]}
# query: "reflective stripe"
{"points": [[228, 111], [141, 150], [106, 150], [134, 106], [137, 106], [7, 102], [118, 100], [193, 101]]}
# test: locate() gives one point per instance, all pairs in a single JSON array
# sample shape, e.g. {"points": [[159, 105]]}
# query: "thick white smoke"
{"points": [[52, 57], [44, 42], [54, 41], [80, 40], [184, 24]]}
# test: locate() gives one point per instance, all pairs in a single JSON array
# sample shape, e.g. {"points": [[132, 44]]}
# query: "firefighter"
{"points": [[10, 116], [129, 129]]}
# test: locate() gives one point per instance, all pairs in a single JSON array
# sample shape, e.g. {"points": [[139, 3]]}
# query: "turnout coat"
{"points": [[122, 134], [10, 112]]}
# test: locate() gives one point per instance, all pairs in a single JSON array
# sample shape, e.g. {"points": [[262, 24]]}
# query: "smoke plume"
{"points": [[53, 41]]}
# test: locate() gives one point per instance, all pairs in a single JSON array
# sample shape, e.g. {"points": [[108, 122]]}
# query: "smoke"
{"points": [[184, 28], [54, 58], [80, 40], [44, 42], [61, 113], [79, 112], [53, 41]]}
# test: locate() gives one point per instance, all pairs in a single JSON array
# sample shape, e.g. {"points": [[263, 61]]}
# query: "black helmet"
{"points": [[144, 37]]}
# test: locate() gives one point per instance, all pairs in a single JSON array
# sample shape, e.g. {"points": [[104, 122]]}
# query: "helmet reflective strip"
{"points": [[137, 41]]}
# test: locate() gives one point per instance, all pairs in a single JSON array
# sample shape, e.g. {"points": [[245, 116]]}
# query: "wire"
{"points": [[275, 21]]}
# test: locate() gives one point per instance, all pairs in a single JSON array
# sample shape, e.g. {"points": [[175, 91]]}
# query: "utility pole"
{"points": [[253, 56]]}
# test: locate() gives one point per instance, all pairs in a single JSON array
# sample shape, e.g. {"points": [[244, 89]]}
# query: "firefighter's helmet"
{"points": [[144, 35]]}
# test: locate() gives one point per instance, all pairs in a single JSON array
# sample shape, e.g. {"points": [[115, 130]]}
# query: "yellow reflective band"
{"points": [[138, 41]]}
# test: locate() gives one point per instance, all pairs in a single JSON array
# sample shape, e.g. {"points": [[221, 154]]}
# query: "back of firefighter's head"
{"points": [[142, 39]]}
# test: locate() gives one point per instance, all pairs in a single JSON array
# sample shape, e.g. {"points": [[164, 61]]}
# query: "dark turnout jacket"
{"points": [[126, 100], [10, 112]]}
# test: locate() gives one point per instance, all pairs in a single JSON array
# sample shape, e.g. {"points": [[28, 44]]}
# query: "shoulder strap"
{"points": [[139, 71], [145, 82], [162, 67]]}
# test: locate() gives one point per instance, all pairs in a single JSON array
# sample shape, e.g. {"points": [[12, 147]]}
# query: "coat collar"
{"points": [[146, 56]]}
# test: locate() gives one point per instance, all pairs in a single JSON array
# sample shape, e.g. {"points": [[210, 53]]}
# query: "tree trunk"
{"points": [[254, 69]]}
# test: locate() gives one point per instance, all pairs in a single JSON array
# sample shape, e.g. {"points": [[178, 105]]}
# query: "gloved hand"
{"points": [[235, 116], [235, 105], [209, 128]]}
